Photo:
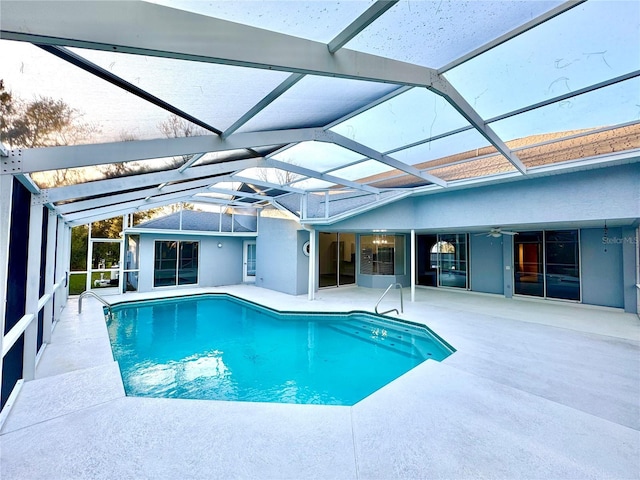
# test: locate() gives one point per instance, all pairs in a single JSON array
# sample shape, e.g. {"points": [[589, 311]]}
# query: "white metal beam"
{"points": [[6, 194], [106, 75], [414, 250], [289, 82], [363, 21], [380, 157], [270, 162], [361, 209], [32, 290], [132, 207], [89, 262], [92, 217], [190, 162], [566, 96], [149, 29], [262, 183], [334, 45], [60, 269], [28, 183], [50, 266], [236, 193], [119, 209], [369, 106], [458, 102], [112, 185], [52, 158], [534, 22], [115, 198], [198, 198]]}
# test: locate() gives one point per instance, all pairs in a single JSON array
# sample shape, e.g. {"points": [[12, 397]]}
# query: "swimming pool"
{"points": [[219, 347]]}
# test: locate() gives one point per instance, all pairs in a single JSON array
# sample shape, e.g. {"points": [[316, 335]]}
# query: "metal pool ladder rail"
{"points": [[393, 309], [95, 295]]}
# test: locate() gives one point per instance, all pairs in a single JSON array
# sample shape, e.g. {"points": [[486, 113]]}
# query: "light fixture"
{"points": [[219, 244]]}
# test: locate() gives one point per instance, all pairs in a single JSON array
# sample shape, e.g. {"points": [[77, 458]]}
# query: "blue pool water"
{"points": [[218, 347]]}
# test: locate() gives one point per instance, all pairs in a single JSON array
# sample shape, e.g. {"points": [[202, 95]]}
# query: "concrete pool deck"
{"points": [[536, 389]]}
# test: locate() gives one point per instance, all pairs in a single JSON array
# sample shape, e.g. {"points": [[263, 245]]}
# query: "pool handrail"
{"points": [[96, 296], [393, 309]]}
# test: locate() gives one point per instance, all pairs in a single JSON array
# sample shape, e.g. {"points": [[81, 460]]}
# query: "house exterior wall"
{"points": [[216, 266], [591, 195], [579, 200], [585, 196], [280, 262], [584, 201], [302, 261], [507, 262], [485, 265], [601, 267], [630, 252]]}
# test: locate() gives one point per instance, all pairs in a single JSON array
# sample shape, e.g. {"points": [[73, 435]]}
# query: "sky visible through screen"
{"points": [[590, 43]]}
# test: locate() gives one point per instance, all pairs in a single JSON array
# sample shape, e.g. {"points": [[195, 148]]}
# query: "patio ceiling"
{"points": [[291, 99]]}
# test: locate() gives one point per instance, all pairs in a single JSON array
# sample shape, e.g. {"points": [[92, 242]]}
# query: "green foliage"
{"points": [[77, 283], [79, 245], [110, 252]]}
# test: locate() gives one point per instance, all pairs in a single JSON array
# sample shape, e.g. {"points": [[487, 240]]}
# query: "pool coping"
{"points": [[347, 315], [369, 428]]}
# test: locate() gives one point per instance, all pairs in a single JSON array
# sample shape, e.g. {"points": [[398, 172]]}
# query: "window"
{"points": [[562, 268], [449, 256], [176, 263], [382, 254], [547, 264]]}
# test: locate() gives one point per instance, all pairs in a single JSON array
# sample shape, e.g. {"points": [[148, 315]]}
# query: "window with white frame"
{"points": [[382, 254], [175, 263]]}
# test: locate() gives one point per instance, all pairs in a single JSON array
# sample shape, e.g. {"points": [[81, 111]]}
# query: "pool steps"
{"points": [[401, 342]]}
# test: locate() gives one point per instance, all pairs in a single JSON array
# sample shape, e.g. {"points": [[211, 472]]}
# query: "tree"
{"points": [[79, 237], [6, 107], [176, 127], [278, 176], [41, 122]]}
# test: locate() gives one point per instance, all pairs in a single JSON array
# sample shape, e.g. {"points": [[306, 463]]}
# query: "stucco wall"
{"points": [[280, 262], [486, 270], [302, 284], [574, 200], [217, 266], [629, 261], [601, 267], [592, 195]]}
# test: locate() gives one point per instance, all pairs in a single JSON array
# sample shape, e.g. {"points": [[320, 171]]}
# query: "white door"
{"points": [[249, 260]]}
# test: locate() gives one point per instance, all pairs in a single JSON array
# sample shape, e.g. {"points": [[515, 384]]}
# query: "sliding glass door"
{"points": [[546, 264], [337, 259], [529, 273], [175, 263], [562, 265], [451, 253], [442, 260]]}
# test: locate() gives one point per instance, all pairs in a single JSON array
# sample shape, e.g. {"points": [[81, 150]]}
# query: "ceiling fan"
{"points": [[497, 232]]}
